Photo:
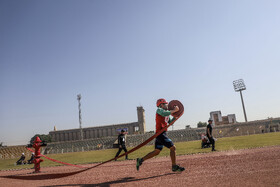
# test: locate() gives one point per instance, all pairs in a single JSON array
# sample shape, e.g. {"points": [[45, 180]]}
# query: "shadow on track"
{"points": [[107, 184], [40, 176]]}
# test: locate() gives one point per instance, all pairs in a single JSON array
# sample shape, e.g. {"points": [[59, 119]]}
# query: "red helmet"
{"points": [[160, 101]]}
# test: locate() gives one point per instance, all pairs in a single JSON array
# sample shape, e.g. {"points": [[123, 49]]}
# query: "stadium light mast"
{"points": [[239, 86], [79, 97]]}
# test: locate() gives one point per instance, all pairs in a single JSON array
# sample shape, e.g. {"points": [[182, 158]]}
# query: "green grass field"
{"points": [[183, 148]]}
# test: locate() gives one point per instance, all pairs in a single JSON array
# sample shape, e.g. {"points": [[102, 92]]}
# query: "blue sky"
{"points": [[122, 54]]}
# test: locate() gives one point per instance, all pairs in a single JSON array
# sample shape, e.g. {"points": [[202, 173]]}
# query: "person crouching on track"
{"points": [[121, 143], [32, 158], [162, 120], [209, 134], [21, 160]]}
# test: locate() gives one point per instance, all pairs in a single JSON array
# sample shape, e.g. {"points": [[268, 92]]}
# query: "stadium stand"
{"points": [[107, 143], [11, 152], [237, 129]]}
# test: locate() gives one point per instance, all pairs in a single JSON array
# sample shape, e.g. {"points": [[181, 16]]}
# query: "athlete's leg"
{"points": [[125, 150], [151, 154], [158, 148], [120, 149], [173, 155], [139, 161]]}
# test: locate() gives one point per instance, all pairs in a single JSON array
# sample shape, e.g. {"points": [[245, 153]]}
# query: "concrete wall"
{"points": [[92, 132], [253, 127], [101, 131]]}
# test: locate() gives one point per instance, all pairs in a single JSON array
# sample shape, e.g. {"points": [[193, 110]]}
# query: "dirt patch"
{"points": [[251, 167]]}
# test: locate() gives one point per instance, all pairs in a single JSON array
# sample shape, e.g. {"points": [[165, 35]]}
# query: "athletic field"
{"points": [[240, 161]]}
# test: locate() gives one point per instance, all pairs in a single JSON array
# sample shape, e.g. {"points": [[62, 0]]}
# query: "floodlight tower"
{"points": [[239, 86], [79, 97]]}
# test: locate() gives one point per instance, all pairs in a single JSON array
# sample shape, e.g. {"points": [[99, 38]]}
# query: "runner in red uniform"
{"points": [[162, 120]]}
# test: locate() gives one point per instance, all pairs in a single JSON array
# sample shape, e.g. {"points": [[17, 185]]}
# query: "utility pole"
{"points": [[239, 86], [79, 97]]}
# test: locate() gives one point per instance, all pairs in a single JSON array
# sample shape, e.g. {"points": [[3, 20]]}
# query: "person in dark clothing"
{"points": [[209, 134], [21, 160], [30, 161], [121, 144]]}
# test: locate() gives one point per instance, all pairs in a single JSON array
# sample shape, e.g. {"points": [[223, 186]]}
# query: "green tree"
{"points": [[44, 137], [1, 144], [201, 124]]}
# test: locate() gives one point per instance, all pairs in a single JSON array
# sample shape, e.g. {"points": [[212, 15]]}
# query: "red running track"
{"points": [[250, 167]]}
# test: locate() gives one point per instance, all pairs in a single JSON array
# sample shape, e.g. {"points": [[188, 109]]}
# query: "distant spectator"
{"points": [[21, 160], [30, 161], [121, 143], [205, 143], [99, 146], [209, 134]]}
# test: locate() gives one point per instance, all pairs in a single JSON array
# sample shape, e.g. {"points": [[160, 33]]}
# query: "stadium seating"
{"points": [[11, 152], [238, 129], [107, 143]]}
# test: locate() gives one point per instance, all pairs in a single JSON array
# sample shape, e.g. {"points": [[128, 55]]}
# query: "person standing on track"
{"points": [[209, 134], [121, 144], [162, 120]]}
